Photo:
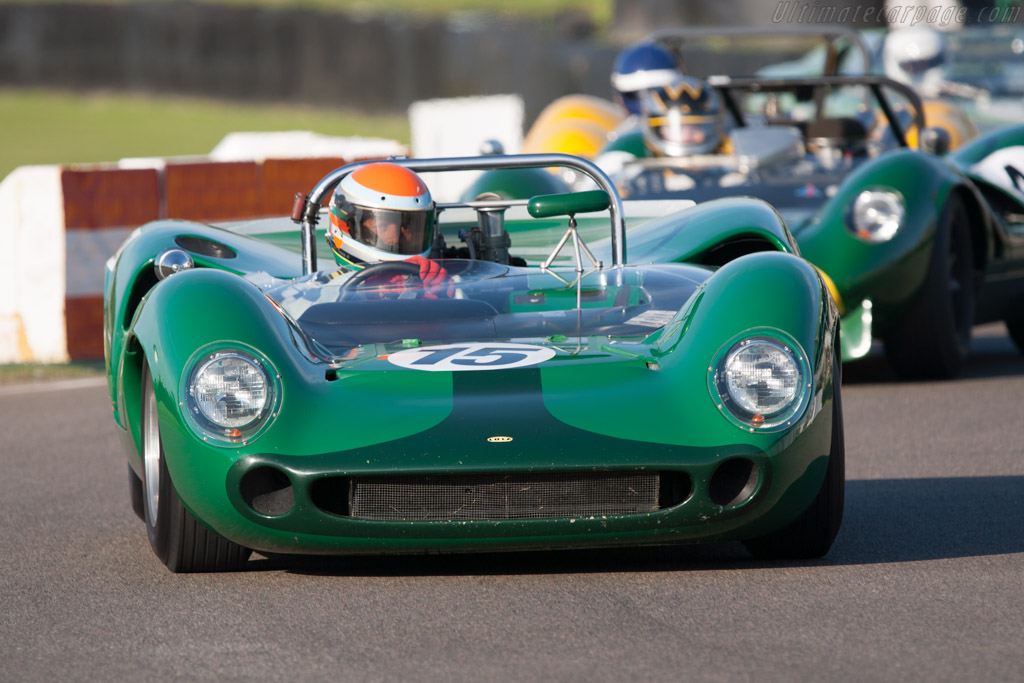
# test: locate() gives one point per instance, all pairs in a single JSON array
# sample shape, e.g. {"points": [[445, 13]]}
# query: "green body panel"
{"points": [[130, 281], [600, 404], [631, 142], [515, 182], [684, 237], [754, 289], [980, 147], [889, 274]]}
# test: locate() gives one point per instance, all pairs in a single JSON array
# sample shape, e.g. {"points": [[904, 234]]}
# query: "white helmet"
{"points": [[916, 56], [380, 212]]}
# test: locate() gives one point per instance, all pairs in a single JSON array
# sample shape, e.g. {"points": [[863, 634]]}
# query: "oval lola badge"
{"points": [[471, 356]]}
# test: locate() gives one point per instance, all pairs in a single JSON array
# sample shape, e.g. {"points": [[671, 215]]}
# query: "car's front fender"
{"points": [[888, 274]]}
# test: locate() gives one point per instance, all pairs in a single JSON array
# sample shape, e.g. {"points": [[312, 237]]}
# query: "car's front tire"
{"points": [[812, 534], [177, 538], [1016, 329], [931, 341]]}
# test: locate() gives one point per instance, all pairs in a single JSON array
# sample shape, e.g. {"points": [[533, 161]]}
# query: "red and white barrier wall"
{"points": [[60, 224]]}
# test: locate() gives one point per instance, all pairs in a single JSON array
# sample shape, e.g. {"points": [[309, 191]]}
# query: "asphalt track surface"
{"points": [[924, 582]]}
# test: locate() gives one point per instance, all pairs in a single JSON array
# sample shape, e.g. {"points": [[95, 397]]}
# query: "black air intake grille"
{"points": [[504, 496]]}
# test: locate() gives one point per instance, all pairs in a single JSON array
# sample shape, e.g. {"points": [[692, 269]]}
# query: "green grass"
{"points": [[45, 127]]}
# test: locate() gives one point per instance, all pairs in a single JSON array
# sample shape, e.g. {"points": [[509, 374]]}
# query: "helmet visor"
{"points": [[395, 232], [687, 134]]}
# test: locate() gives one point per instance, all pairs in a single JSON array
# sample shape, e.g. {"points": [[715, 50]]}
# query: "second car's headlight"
{"points": [[876, 215], [230, 395], [760, 382]]}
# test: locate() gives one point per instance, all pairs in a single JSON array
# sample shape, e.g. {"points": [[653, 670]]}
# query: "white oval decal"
{"points": [[473, 356], [499, 439], [1004, 168]]}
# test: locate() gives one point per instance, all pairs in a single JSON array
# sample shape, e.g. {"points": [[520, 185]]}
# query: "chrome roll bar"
{"points": [[307, 209]]}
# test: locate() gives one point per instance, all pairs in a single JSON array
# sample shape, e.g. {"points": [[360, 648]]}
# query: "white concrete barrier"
{"points": [[32, 279], [60, 224]]}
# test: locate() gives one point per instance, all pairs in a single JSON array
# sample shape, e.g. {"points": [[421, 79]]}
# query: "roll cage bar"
{"points": [[675, 39], [728, 88], [306, 210]]}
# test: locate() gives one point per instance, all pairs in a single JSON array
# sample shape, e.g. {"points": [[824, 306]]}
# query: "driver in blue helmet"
{"points": [[641, 67]]}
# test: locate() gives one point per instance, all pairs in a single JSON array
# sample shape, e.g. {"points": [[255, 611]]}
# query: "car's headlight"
{"points": [[761, 382], [230, 395], [877, 215]]}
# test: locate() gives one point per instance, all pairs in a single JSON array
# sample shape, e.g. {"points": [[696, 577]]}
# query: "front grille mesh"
{"points": [[503, 496]]}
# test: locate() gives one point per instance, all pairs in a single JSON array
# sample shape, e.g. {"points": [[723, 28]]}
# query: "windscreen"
{"points": [[484, 301]]}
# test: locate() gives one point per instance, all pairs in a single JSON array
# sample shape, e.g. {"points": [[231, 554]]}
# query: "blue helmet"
{"points": [[637, 68]]}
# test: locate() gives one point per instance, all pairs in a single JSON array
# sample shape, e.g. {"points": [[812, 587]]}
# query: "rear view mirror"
{"points": [[935, 140]]}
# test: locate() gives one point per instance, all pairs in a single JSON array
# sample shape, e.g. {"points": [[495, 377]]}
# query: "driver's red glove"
{"points": [[435, 278], [388, 284]]}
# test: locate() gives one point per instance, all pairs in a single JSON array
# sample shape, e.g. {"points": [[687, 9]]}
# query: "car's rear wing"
{"points": [[816, 87], [306, 211]]}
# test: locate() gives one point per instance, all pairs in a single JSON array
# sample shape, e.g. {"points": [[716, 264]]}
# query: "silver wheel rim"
{"points": [[151, 455]]}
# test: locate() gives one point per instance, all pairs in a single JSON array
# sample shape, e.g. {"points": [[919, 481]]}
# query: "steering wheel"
{"points": [[384, 268]]}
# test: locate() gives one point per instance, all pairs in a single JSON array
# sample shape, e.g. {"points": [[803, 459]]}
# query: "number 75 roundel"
{"points": [[471, 356]]}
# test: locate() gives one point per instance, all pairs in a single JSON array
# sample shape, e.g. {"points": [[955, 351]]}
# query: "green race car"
{"points": [[565, 392], [917, 242]]}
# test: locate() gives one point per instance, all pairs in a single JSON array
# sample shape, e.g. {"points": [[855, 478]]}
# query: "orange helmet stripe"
{"points": [[662, 120]]}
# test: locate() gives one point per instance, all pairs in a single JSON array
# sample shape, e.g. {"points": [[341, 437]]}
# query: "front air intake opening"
{"points": [[204, 246], [268, 491], [733, 482], [332, 495], [733, 248], [674, 488], [519, 495]]}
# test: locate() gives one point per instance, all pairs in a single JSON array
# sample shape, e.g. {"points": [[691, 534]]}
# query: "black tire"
{"points": [[1016, 330], [177, 538], [932, 340], [135, 493], [812, 534]]}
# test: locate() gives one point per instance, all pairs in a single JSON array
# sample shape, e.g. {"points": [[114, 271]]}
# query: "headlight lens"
{"points": [[761, 382], [877, 215], [230, 394]]}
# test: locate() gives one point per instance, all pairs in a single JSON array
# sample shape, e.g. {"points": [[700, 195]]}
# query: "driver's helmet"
{"points": [[380, 212], [916, 56], [637, 68], [682, 118]]}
